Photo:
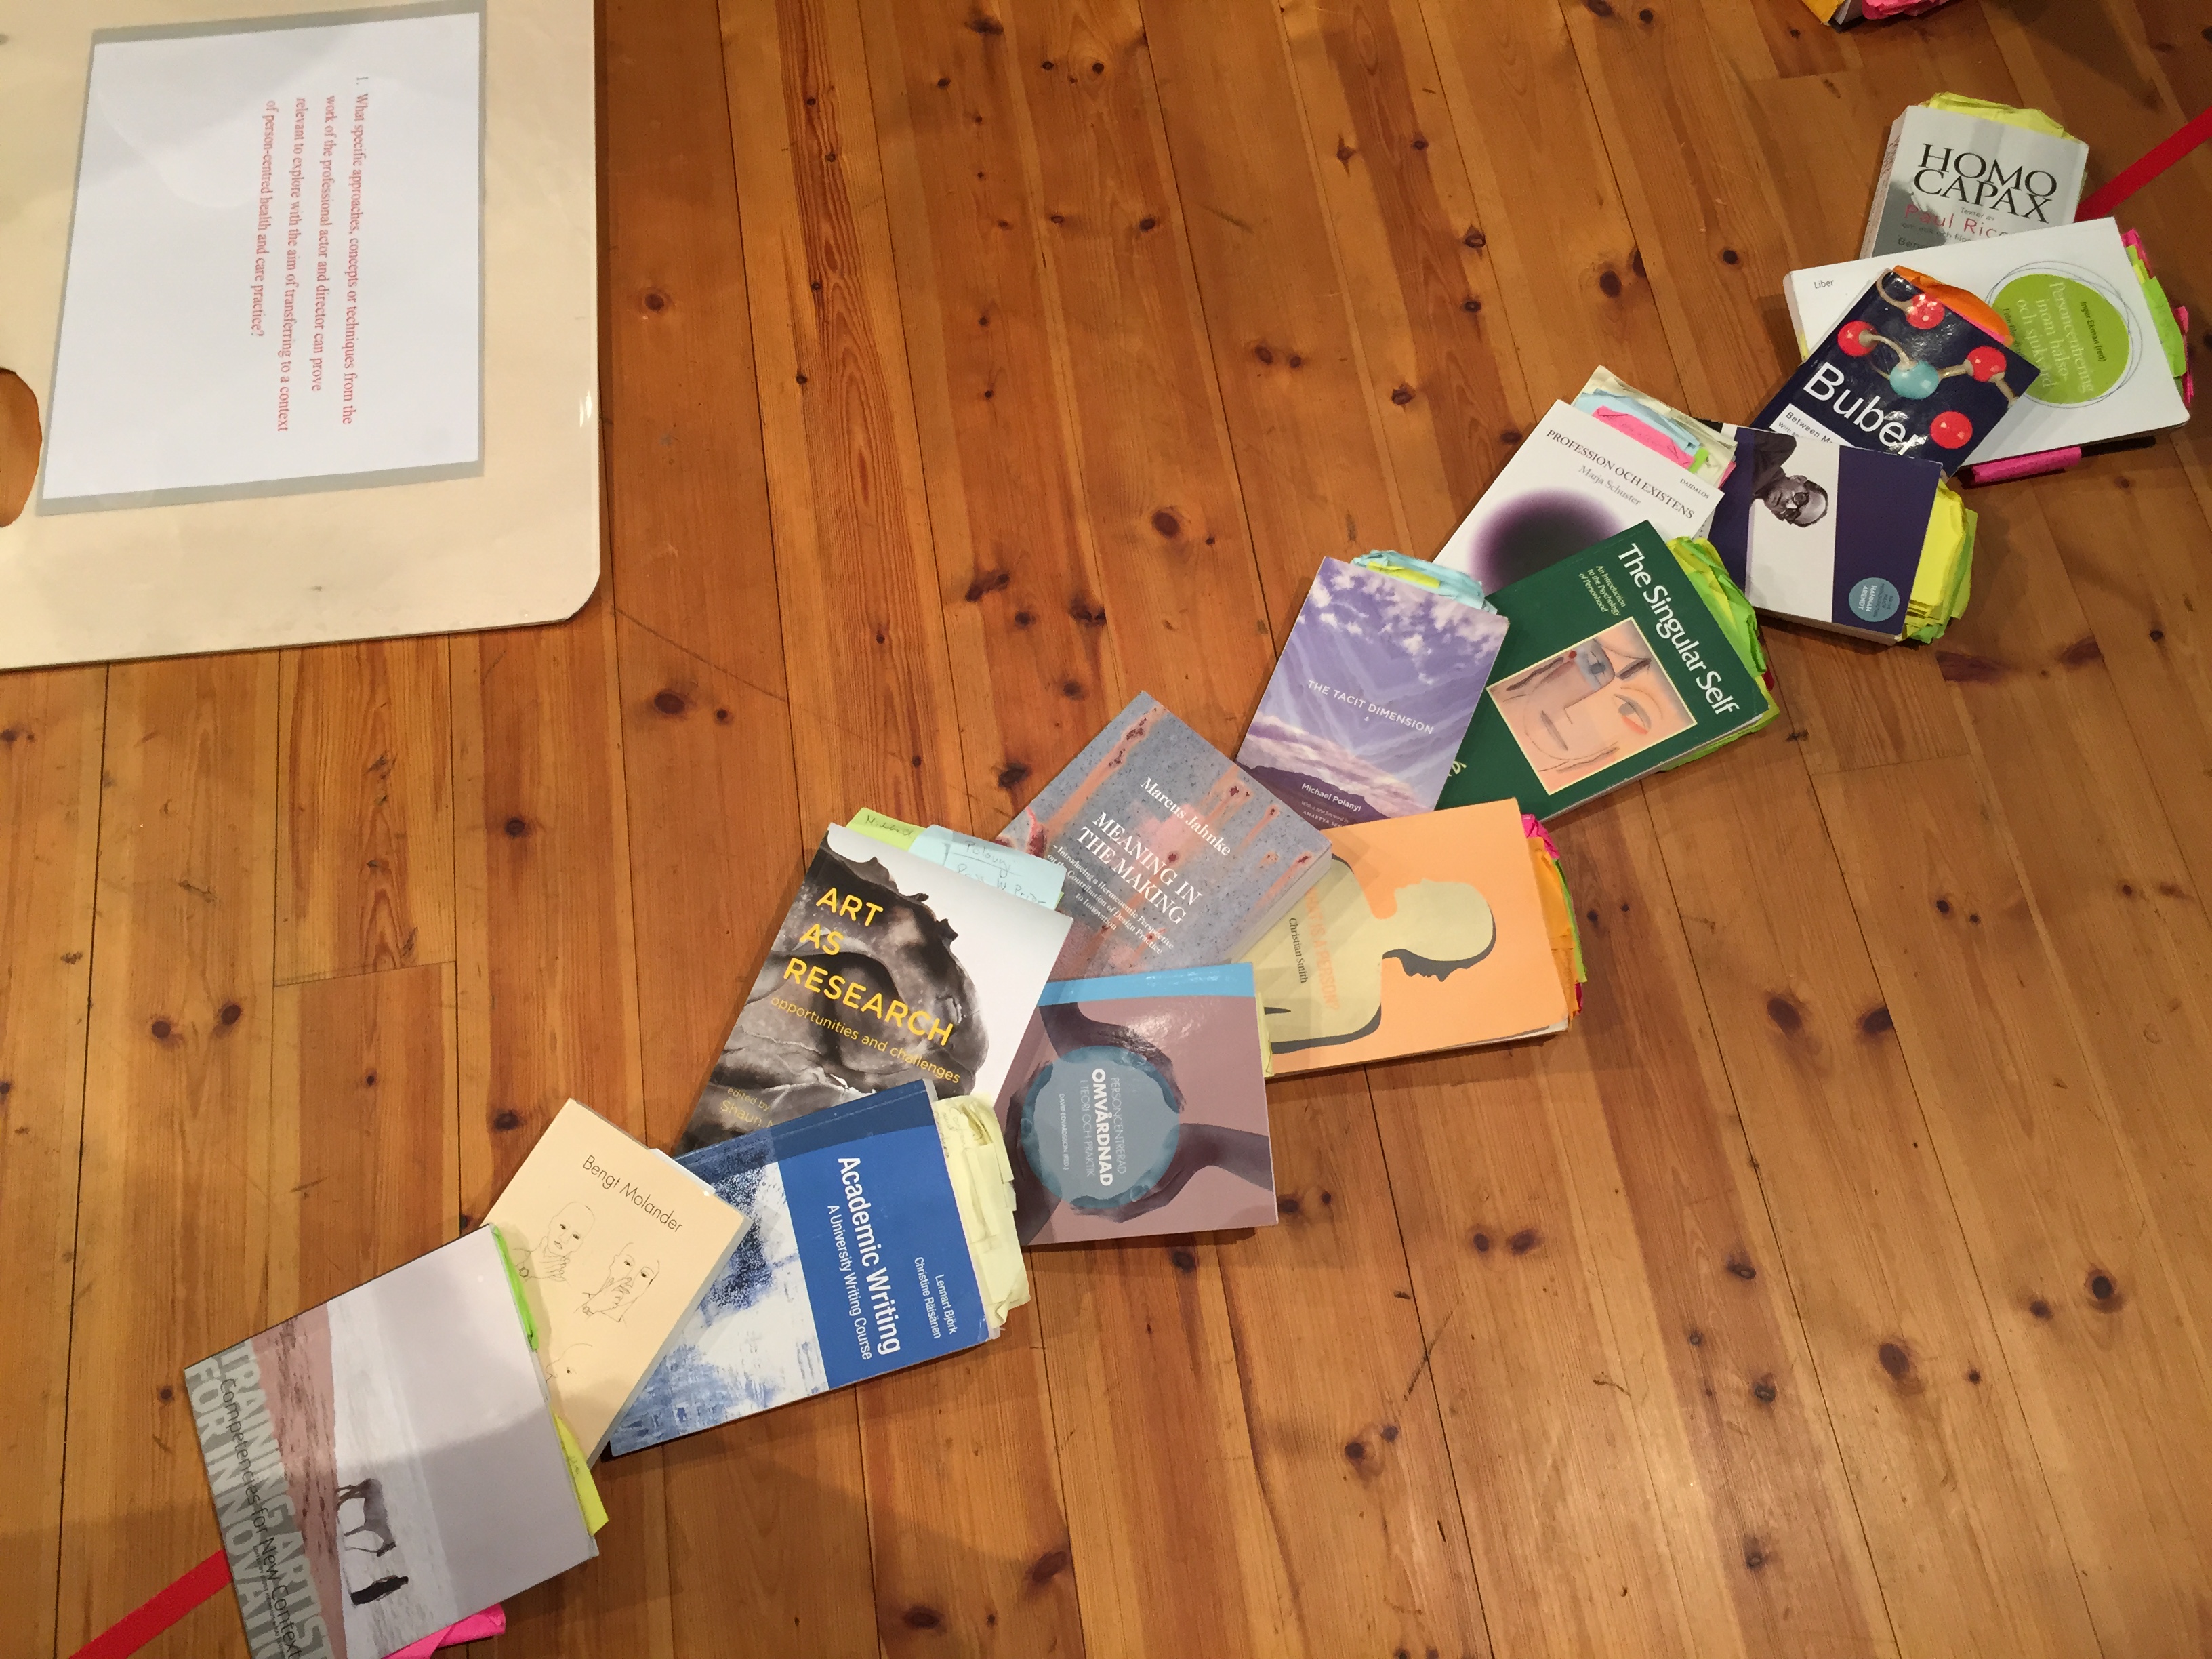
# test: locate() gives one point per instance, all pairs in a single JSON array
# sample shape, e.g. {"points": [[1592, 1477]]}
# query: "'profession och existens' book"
{"points": [[1371, 698], [1137, 1104], [1428, 932], [611, 1241], [881, 1235], [887, 967], [1176, 857], [1613, 667], [1573, 481], [387, 1464]]}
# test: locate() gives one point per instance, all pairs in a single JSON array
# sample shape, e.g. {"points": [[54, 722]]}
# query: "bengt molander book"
{"points": [[1371, 698], [1176, 857], [1138, 1105], [611, 1242], [1573, 481], [1613, 667], [1826, 533], [881, 1235], [887, 967], [387, 1464], [1427, 933]]}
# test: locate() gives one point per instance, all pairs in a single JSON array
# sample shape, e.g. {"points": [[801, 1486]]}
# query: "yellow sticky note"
{"points": [[587, 1490]]}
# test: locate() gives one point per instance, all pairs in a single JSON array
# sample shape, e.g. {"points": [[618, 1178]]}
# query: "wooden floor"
{"points": [[1840, 1285]]}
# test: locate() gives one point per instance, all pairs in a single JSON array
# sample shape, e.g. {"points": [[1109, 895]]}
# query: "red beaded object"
{"points": [[1951, 429], [1987, 362], [1856, 338]]}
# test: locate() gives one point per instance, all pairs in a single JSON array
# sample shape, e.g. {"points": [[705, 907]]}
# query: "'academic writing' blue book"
{"points": [[855, 1264]]}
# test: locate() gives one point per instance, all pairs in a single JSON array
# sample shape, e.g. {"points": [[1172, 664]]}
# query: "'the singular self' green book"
{"points": [[1613, 667]]}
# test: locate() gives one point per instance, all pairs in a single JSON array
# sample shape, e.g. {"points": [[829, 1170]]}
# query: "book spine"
{"points": [[1884, 182]]}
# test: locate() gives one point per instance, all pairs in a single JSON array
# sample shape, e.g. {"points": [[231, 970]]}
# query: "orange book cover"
{"points": [[1427, 933]]}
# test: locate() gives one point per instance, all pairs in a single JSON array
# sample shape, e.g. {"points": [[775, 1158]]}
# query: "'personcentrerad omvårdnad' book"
{"points": [[1613, 667], [1371, 698], [887, 967], [1176, 857]]}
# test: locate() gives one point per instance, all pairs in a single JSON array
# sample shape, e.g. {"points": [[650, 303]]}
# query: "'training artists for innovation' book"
{"points": [[1614, 666], [1573, 481], [881, 1236], [1176, 857], [888, 966], [1371, 696], [611, 1241], [387, 1464], [1428, 932], [1825, 533], [1138, 1105]]}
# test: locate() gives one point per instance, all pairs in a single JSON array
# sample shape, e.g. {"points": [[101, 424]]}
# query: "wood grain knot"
{"points": [[1401, 395], [1287, 1204], [670, 701], [1072, 689], [986, 581], [1508, 437], [919, 1617], [1644, 15], [1696, 1337], [1011, 774], [1148, 223], [1729, 256], [1048, 1567], [1470, 305], [721, 717], [1635, 260], [229, 1013], [982, 23], [1598, 8], [1089, 614], [1166, 523], [1390, 1432], [1355, 1450], [165, 1393], [517, 827], [1524, 1241], [655, 300], [162, 1030], [1789, 1018], [1764, 1391], [1473, 238], [1186, 1261], [2083, 650], [1876, 1020], [1974, 1375], [1263, 353], [1481, 1242], [506, 1120], [1754, 1555], [1895, 1360], [368, 1081], [1420, 143], [1961, 668], [1345, 152], [2103, 1292], [1741, 1268], [1608, 283], [2039, 1308]]}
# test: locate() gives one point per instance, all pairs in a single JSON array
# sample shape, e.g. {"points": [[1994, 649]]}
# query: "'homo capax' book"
{"points": [[1176, 857], [611, 1242], [881, 1235], [1959, 170], [1614, 666], [1371, 698], [887, 967], [387, 1464]]}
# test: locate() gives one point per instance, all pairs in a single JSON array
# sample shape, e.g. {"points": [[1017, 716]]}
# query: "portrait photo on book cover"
{"points": [[1597, 702], [862, 990]]}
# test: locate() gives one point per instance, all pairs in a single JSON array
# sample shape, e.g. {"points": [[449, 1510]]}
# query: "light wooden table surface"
{"points": [[1840, 1285]]}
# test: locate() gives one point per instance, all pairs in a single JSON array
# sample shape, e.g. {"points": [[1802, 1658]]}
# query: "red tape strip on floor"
{"points": [[2099, 204], [134, 1629]]}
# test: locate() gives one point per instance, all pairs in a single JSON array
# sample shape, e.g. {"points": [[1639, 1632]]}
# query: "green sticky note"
{"points": [[514, 1284], [883, 827]]}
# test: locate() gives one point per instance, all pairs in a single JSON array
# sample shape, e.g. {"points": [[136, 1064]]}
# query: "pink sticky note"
{"points": [[492, 1621]]}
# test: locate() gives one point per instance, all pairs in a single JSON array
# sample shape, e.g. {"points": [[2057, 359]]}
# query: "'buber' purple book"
{"points": [[1374, 692]]}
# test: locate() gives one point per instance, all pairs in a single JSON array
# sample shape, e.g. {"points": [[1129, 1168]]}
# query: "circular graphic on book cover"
{"points": [[2070, 327], [1872, 600], [1099, 1127]]}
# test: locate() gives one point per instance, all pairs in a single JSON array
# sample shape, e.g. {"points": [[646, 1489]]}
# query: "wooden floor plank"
{"points": [[172, 1243], [548, 1011], [364, 853], [50, 801], [1949, 1488], [864, 636], [2100, 1340], [1767, 1538]]}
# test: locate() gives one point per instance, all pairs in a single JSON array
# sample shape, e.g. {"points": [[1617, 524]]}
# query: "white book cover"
{"points": [[888, 968], [1950, 177], [2076, 310], [1573, 482], [275, 273]]}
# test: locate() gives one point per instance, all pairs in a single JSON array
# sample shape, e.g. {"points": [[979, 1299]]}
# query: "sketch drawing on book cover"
{"points": [[1323, 966], [1600, 701], [549, 1257], [1101, 1125], [626, 1280], [749, 1341]]}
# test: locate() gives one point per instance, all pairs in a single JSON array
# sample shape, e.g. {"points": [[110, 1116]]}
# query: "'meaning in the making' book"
{"points": [[1176, 857], [887, 967], [1371, 696]]}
